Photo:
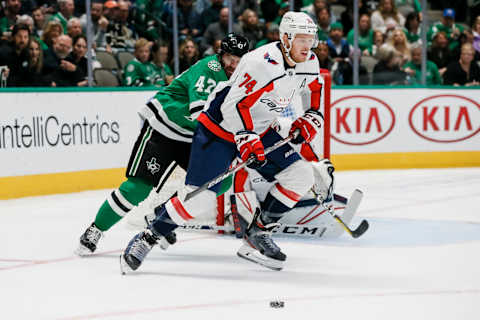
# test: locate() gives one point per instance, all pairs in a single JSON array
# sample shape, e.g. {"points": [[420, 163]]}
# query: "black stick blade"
{"points": [[362, 227]]}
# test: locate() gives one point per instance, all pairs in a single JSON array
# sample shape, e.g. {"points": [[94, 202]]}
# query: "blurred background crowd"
{"points": [[43, 42]]}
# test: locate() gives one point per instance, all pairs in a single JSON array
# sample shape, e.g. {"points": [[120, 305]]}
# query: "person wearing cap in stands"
{"points": [[447, 25]]}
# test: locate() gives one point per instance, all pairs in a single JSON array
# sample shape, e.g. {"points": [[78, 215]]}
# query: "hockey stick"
{"points": [[206, 227], [235, 168], [360, 230]]}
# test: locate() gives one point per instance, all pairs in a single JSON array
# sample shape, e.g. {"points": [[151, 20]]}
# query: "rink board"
{"points": [[58, 141]]}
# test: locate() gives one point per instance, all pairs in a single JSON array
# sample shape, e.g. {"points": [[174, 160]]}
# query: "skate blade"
{"points": [[248, 253], [124, 267], [83, 251]]}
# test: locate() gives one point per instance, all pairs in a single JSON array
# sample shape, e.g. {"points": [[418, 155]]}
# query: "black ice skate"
{"points": [[259, 247], [89, 241], [137, 250]]}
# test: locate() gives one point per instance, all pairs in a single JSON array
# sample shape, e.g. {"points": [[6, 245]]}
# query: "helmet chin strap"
{"points": [[287, 50]]}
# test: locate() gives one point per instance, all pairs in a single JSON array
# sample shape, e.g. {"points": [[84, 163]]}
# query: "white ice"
{"points": [[419, 260]]}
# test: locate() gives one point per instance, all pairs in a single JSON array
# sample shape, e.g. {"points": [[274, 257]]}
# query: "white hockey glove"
{"points": [[324, 180], [308, 125], [249, 144]]}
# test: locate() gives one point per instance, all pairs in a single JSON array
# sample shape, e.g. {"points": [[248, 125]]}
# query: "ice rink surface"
{"points": [[419, 260]]}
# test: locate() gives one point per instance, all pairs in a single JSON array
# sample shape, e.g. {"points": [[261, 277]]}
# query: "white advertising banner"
{"points": [[405, 120], [51, 132]]}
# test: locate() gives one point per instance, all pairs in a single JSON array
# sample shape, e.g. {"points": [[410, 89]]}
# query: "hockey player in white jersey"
{"points": [[237, 122]]}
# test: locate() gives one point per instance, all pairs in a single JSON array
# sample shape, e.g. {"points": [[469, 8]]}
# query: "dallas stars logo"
{"points": [[153, 166], [214, 65]]}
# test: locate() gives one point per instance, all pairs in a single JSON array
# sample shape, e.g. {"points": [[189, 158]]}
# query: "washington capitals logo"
{"points": [[269, 60]]}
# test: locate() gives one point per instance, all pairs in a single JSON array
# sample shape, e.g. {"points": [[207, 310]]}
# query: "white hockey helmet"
{"points": [[294, 23]]}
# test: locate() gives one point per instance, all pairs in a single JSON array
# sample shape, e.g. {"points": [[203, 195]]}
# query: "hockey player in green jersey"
{"points": [[165, 138]]}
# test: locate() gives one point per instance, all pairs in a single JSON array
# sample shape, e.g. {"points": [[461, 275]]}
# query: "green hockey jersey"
{"points": [[174, 109]]}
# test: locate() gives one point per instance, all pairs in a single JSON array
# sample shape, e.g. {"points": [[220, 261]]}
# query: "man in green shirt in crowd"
{"points": [[65, 12], [165, 139], [447, 25], [414, 68], [12, 10]]}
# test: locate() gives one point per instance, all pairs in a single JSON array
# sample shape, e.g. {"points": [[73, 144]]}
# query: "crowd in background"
{"points": [[43, 42]]}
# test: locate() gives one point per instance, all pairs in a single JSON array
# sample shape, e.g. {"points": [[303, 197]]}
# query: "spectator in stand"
{"points": [[399, 42], [77, 57], [314, 7], [14, 54], [387, 18], [465, 37], [119, 35], [414, 68], [378, 41], [239, 6], [162, 69], [211, 14], [218, 30], [339, 51], [140, 72], [65, 12], [99, 23], [35, 76], [322, 54], [323, 22], [463, 72], [188, 54], [387, 70], [12, 10], [214, 49], [52, 30], [365, 35], [26, 20], [74, 27], [38, 21], [146, 15], [251, 28], [449, 27], [272, 34], [412, 29], [66, 73], [109, 9], [346, 17], [476, 35], [189, 24], [439, 53]]}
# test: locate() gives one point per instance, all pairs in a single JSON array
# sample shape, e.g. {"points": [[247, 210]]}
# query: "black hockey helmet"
{"points": [[234, 44]]}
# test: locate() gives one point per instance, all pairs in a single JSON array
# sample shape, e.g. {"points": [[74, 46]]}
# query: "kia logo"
{"points": [[445, 118], [360, 120]]}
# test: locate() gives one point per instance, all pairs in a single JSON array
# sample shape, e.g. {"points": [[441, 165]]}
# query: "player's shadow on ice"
{"points": [[395, 232]]}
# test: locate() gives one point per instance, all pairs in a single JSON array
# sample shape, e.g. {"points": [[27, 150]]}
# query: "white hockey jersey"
{"points": [[260, 90]]}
